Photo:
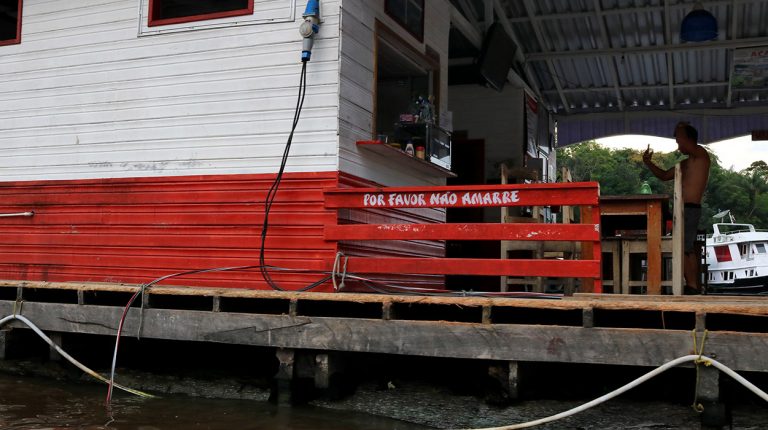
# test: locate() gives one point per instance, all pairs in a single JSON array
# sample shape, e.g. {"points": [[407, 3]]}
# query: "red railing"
{"points": [[583, 194]]}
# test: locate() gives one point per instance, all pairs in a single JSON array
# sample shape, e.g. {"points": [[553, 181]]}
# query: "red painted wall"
{"points": [[138, 229], [135, 230]]}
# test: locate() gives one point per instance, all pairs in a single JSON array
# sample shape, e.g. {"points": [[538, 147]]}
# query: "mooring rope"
{"points": [[698, 407], [663, 368], [64, 354]]}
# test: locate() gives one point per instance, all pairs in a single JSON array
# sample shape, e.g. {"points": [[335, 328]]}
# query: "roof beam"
{"points": [[640, 87], [550, 66], [470, 13], [668, 56], [613, 67], [732, 56], [658, 49], [466, 28], [623, 11]]}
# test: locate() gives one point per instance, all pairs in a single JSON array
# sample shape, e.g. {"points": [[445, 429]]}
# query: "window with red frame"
{"points": [[10, 22], [164, 12], [409, 14], [723, 253]]}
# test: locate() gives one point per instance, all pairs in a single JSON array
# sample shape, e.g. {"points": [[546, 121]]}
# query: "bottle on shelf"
{"points": [[409, 149], [420, 153]]}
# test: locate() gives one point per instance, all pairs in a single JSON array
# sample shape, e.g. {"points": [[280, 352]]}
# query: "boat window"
{"points": [[10, 22], [722, 253], [760, 247], [744, 249]]}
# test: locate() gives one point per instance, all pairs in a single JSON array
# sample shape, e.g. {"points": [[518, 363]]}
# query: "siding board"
{"points": [[84, 96], [135, 230]]}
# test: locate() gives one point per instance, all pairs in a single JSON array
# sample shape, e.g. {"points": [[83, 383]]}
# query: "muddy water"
{"points": [[42, 403], [58, 401]]}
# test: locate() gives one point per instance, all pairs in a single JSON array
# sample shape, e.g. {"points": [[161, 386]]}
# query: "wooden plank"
{"points": [[476, 266], [711, 304], [477, 231], [505, 342], [577, 193], [654, 262]]}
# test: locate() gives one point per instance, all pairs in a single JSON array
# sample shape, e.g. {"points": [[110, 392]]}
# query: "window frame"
{"points": [[388, 8], [17, 39], [193, 18]]}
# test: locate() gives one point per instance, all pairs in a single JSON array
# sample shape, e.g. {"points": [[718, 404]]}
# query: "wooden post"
{"points": [[587, 249], [507, 376], [513, 381], [714, 414], [653, 257], [58, 339], [284, 376], [677, 235], [4, 335]]}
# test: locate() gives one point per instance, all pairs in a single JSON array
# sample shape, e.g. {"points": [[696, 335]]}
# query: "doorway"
{"points": [[468, 163]]}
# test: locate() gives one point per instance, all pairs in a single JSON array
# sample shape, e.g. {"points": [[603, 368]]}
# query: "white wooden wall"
{"points": [[91, 92], [357, 86]]}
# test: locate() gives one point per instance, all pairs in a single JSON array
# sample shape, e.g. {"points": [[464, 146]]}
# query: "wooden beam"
{"points": [[499, 342], [468, 231], [476, 266]]}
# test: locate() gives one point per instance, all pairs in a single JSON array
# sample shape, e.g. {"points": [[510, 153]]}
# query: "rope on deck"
{"points": [[655, 372]]}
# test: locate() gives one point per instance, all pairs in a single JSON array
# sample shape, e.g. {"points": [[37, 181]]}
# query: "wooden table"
{"points": [[652, 207]]}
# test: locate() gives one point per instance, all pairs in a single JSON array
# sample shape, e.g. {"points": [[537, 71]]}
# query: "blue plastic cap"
{"points": [[313, 8], [698, 26]]}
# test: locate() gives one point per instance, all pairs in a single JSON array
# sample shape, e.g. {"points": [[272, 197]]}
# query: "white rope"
{"points": [[335, 270], [64, 354], [676, 362]]}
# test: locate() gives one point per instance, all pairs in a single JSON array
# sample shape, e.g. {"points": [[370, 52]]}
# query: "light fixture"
{"points": [[698, 26]]}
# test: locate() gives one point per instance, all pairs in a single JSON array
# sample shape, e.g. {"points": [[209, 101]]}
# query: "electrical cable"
{"points": [[270, 199], [142, 289]]}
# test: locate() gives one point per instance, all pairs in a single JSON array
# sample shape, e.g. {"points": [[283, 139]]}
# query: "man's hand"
{"points": [[647, 155]]}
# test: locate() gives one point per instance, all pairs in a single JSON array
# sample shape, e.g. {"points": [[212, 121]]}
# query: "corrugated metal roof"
{"points": [[626, 56]]}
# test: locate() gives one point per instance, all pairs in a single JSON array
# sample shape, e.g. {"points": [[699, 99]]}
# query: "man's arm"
{"points": [[664, 175]]}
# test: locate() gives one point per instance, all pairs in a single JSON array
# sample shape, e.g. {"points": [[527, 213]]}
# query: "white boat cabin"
{"points": [[737, 254]]}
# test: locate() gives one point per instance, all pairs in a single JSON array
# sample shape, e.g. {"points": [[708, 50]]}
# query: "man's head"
{"points": [[686, 137]]}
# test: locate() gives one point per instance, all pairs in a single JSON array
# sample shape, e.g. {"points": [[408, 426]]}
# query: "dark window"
{"points": [[409, 14], [163, 12], [10, 22]]}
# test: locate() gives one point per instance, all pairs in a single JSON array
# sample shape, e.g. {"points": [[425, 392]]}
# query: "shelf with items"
{"points": [[381, 148], [435, 140]]}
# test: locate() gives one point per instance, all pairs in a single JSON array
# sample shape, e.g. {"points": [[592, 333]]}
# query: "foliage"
{"points": [[622, 172]]}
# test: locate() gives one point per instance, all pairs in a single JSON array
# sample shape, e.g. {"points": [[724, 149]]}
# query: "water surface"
{"points": [[40, 403]]}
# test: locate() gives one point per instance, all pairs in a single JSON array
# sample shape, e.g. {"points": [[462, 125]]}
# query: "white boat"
{"points": [[737, 258]]}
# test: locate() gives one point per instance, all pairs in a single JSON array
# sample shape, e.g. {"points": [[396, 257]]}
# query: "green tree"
{"points": [[622, 172], [757, 178]]}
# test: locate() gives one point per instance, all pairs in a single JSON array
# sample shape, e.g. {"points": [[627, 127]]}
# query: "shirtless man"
{"points": [[695, 173]]}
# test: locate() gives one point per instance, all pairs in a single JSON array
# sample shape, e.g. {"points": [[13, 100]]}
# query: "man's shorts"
{"points": [[692, 216]]}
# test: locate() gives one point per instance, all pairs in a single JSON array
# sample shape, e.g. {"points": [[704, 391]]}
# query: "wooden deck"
{"points": [[586, 328]]}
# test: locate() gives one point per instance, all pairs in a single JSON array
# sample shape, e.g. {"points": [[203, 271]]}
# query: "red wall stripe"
{"points": [[135, 230]]}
